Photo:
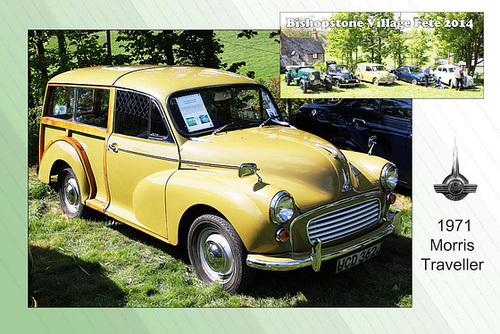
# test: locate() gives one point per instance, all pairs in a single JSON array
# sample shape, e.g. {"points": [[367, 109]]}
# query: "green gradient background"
{"points": [[430, 313]]}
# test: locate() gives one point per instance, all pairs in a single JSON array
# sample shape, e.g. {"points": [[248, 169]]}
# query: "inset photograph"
{"points": [[381, 55]]}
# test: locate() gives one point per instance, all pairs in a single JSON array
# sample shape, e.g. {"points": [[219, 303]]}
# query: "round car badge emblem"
{"points": [[455, 186]]}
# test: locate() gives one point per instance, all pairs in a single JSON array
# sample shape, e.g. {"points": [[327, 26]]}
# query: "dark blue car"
{"points": [[350, 123], [413, 74]]}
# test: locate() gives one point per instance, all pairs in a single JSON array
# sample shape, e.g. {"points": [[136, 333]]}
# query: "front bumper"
{"points": [[386, 80], [349, 83], [290, 261]]}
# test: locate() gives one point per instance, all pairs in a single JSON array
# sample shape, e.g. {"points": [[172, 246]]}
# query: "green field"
{"points": [[260, 53], [97, 262], [399, 89]]}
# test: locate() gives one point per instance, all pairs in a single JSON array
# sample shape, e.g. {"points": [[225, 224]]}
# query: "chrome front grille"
{"points": [[340, 223]]}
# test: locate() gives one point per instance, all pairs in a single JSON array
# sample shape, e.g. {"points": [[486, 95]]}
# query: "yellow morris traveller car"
{"points": [[374, 73], [202, 157]]}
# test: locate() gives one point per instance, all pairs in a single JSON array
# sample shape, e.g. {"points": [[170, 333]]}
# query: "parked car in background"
{"points": [[202, 157], [412, 74], [374, 73], [350, 123], [339, 76], [305, 77], [447, 75]]}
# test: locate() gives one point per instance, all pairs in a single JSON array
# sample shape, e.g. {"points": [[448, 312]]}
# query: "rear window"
{"points": [[79, 104]]}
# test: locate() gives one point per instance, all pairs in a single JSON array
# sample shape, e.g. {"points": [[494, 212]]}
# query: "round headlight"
{"points": [[281, 208], [311, 77], [389, 176]]}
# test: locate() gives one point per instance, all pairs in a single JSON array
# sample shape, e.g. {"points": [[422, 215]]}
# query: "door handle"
{"points": [[359, 121], [113, 147]]}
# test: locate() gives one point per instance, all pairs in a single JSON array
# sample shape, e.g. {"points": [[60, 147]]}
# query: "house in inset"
{"points": [[301, 50]]}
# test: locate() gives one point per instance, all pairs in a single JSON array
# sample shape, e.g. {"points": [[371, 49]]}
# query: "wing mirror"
{"points": [[247, 169], [371, 143]]}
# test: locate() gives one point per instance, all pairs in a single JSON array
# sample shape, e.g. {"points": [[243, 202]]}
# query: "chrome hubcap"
{"points": [[215, 255], [71, 193]]}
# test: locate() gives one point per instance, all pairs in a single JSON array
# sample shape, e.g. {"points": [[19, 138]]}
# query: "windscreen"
{"points": [[202, 111]]}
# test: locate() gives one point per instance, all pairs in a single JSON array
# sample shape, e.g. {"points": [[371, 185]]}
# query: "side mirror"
{"points": [[371, 143], [247, 169]]}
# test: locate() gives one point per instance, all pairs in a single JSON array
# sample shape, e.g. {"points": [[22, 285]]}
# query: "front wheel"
{"points": [[303, 86], [414, 82], [218, 254], [328, 85], [69, 193], [375, 81]]}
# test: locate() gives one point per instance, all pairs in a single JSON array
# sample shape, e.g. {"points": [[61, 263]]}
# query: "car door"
{"points": [[406, 74], [390, 121], [141, 155]]}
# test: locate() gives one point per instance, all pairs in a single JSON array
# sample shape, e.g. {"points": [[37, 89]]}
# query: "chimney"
{"points": [[315, 34]]}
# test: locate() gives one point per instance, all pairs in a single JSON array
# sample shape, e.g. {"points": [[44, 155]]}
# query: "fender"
{"points": [[242, 201], [369, 165], [70, 151]]}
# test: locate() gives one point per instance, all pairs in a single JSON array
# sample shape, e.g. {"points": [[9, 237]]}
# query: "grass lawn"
{"points": [[399, 89], [97, 262], [261, 53]]}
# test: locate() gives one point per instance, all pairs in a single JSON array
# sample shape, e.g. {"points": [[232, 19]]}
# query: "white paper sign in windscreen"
{"points": [[271, 111], [194, 113]]}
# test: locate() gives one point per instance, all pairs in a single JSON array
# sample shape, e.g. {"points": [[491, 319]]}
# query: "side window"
{"points": [[400, 108], [62, 102], [138, 115], [92, 106], [82, 105], [368, 105]]}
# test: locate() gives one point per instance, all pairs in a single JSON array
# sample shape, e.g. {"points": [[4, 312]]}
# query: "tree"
{"points": [[344, 42], [149, 46], [418, 45], [375, 38], [88, 51], [465, 42], [38, 66], [397, 47]]}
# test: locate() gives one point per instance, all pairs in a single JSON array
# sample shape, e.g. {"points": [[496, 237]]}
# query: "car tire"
{"points": [[69, 192], [303, 86], [328, 85], [375, 81], [336, 83], [414, 82], [287, 81], [217, 253]]}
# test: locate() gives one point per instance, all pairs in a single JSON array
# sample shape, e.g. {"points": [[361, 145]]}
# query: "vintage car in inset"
{"points": [[379, 126], [339, 76], [304, 76], [412, 74], [374, 73], [447, 75], [202, 157]]}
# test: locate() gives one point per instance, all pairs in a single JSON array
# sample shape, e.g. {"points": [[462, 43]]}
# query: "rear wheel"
{"points": [[69, 193], [218, 254]]}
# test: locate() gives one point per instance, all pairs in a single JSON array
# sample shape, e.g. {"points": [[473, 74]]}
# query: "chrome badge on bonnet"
{"points": [[455, 186]]}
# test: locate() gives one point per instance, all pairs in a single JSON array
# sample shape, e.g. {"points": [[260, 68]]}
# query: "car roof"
{"points": [[370, 64], [159, 81]]}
